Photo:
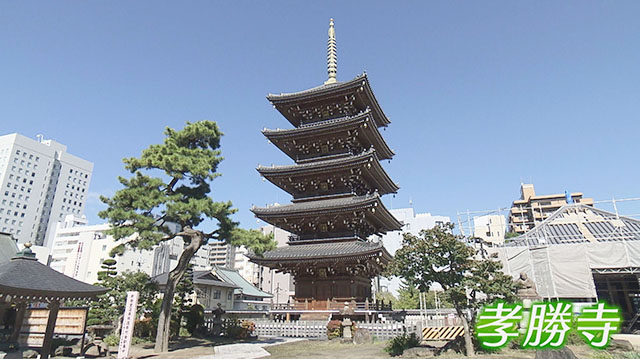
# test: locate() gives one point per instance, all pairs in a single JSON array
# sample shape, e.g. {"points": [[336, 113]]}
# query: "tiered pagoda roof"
{"points": [[328, 101], [336, 184], [347, 174], [343, 136]]}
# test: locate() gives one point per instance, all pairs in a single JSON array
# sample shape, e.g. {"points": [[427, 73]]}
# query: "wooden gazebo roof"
{"points": [[24, 278]]}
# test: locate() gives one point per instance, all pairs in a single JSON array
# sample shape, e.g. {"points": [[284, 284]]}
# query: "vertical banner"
{"points": [[127, 325]]}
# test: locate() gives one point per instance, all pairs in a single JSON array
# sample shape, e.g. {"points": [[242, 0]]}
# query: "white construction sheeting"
{"points": [[565, 270]]}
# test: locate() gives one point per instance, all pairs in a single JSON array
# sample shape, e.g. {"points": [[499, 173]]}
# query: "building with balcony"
{"points": [[532, 209]]}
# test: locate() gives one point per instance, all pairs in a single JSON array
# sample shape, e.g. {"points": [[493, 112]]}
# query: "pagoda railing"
{"points": [[334, 304], [334, 236]]}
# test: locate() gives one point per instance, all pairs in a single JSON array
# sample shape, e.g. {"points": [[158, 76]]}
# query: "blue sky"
{"points": [[481, 95]]}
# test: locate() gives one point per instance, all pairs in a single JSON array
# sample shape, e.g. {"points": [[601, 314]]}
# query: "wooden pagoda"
{"points": [[336, 184]]}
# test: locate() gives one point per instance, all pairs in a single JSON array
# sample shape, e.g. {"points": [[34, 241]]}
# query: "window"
{"points": [[229, 294], [216, 294]]}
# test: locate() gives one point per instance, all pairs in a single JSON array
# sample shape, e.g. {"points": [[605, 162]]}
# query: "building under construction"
{"points": [[580, 253]]}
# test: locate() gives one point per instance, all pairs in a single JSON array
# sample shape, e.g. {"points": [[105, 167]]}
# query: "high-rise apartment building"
{"points": [[40, 183], [530, 209]]}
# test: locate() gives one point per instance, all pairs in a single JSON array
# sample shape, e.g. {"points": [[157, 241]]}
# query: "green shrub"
{"points": [[112, 340], [236, 329], [195, 318], [399, 344], [334, 329]]}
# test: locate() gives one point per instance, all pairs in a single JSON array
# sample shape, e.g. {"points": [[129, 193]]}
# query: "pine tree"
{"points": [[186, 163]]}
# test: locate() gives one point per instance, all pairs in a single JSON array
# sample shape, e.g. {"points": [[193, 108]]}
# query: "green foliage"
{"points": [[509, 235], [439, 256], [112, 340], [187, 162], [108, 308], [387, 297], [334, 329], [408, 297], [236, 329], [195, 318], [399, 344], [171, 183]]}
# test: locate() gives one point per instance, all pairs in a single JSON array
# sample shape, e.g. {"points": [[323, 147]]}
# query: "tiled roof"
{"points": [[8, 247], [574, 223], [314, 90], [331, 91], [323, 250], [28, 277], [332, 126], [203, 277], [243, 286], [327, 204]]}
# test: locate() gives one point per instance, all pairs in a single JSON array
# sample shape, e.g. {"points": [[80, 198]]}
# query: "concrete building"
{"points": [[412, 223], [280, 285], [220, 254], [490, 228], [532, 209], [78, 251], [40, 183]]}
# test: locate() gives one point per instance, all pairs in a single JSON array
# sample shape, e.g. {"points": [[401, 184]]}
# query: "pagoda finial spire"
{"points": [[332, 55]]}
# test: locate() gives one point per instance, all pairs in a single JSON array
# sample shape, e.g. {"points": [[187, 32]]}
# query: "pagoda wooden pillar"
{"points": [[48, 335], [17, 325]]}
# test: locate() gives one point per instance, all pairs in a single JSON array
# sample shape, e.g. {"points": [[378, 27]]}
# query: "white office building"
{"points": [[78, 251], [412, 223], [40, 183]]}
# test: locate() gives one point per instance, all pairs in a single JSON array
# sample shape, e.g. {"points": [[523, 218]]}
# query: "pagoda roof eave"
{"points": [[334, 205], [330, 126], [386, 184], [328, 90], [323, 252]]}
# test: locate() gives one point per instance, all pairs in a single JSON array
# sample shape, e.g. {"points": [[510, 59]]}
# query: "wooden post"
{"points": [[51, 324], [366, 304], [17, 325], [288, 317], [328, 303], [306, 304]]}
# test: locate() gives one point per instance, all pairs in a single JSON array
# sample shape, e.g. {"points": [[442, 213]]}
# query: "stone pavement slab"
{"points": [[246, 350], [634, 339]]}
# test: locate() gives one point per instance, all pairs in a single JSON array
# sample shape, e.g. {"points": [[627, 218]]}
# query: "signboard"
{"points": [[127, 324], [70, 321]]}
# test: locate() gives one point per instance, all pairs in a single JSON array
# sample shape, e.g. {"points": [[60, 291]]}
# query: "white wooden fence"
{"points": [[296, 329], [385, 331]]}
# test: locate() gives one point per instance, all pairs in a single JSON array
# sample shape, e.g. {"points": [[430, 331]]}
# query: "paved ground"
{"points": [[202, 349]]}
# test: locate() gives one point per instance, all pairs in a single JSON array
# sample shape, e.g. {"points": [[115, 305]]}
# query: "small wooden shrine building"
{"points": [[336, 183], [25, 281]]}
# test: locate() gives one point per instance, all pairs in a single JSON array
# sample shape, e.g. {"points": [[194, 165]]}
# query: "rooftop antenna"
{"points": [[332, 56]]}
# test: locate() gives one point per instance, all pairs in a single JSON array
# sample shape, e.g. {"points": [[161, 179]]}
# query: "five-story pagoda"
{"points": [[336, 184]]}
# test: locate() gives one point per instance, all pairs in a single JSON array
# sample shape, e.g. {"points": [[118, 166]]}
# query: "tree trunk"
{"points": [[164, 321], [468, 343]]}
